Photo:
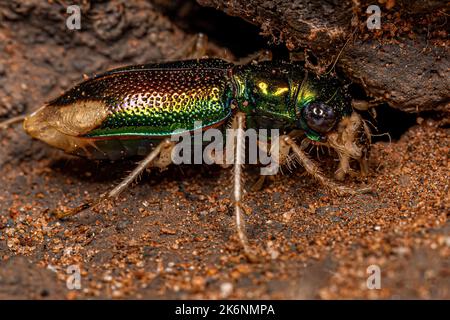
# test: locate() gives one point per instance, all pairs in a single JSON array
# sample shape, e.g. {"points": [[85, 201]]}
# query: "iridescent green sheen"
{"points": [[273, 94]]}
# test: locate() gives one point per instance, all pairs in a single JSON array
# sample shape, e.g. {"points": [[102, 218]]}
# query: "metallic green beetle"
{"points": [[134, 110]]}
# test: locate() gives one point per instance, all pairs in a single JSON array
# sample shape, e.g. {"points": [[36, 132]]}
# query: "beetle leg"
{"points": [[200, 46], [157, 157], [314, 170], [217, 158], [194, 48], [258, 56], [239, 159], [257, 186], [351, 141], [280, 156], [164, 158], [5, 124]]}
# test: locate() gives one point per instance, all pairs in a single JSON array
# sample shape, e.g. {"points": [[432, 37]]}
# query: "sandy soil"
{"points": [[172, 236]]}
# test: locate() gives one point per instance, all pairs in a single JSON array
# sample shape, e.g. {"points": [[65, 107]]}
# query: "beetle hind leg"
{"points": [[159, 157], [239, 159]]}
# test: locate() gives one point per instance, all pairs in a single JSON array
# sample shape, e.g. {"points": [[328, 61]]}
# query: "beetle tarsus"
{"points": [[239, 159]]}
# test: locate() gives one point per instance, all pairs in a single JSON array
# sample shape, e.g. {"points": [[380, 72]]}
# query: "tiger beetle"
{"points": [[134, 110]]}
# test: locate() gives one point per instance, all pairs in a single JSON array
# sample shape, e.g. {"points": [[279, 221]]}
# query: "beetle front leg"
{"points": [[159, 157], [352, 140], [5, 124]]}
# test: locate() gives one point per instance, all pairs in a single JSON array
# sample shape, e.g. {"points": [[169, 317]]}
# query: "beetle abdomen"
{"points": [[145, 101]]}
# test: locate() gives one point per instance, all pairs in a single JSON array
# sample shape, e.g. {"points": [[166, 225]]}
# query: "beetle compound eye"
{"points": [[319, 117]]}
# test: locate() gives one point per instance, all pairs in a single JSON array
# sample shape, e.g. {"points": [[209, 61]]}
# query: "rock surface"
{"points": [[172, 235]]}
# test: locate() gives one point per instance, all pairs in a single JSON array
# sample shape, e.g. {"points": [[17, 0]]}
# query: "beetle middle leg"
{"points": [[258, 56], [158, 157]]}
